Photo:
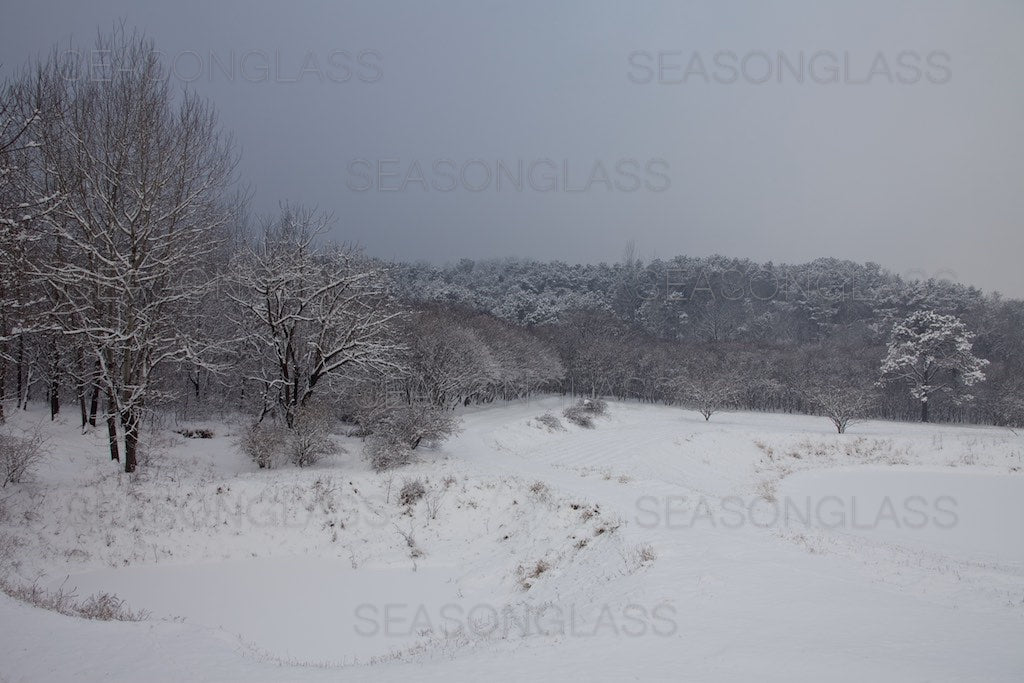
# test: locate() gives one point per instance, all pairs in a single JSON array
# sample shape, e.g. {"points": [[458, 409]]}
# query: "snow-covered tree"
{"points": [[842, 404], [932, 353], [309, 314], [448, 362], [145, 178], [710, 384], [524, 362], [22, 204]]}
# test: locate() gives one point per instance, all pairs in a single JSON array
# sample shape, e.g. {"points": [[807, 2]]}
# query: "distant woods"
{"points": [[719, 332]]}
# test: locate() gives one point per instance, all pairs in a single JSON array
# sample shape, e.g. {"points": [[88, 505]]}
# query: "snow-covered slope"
{"points": [[656, 546]]}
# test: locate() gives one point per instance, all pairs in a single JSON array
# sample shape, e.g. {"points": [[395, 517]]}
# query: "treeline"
{"points": [[650, 330]]}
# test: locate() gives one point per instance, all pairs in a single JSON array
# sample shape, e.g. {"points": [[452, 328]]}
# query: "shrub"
{"points": [[551, 422], [270, 445], [540, 490], [529, 574], [578, 416], [385, 454], [594, 406], [19, 455], [412, 490], [200, 433], [397, 430], [583, 411], [309, 439], [416, 424], [410, 541], [433, 502], [638, 556], [264, 444]]}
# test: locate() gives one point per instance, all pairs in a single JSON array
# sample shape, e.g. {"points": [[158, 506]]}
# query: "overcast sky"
{"points": [[562, 130]]}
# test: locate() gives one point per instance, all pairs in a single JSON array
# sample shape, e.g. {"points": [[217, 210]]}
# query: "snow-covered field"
{"points": [[656, 546]]}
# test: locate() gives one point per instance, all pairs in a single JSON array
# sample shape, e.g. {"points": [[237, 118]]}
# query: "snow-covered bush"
{"points": [[18, 455], [412, 490], [385, 454], [583, 411], [578, 416], [264, 444], [551, 422], [270, 445], [397, 430], [309, 439], [200, 433], [415, 424]]}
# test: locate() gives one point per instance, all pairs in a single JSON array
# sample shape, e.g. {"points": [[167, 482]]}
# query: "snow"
{"points": [[976, 514], [305, 574], [305, 625]]}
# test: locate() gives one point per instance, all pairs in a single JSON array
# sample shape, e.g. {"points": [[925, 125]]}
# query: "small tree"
{"points": [[412, 424], [19, 455], [843, 404], [710, 385], [932, 353], [395, 429]]}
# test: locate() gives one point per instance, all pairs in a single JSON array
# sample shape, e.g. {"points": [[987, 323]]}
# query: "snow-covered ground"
{"points": [[656, 546]]}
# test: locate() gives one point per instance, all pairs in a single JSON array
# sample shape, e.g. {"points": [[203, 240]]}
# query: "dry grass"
{"points": [[99, 606], [638, 556]]}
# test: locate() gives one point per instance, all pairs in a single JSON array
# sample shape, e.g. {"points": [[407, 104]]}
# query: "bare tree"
{"points": [[709, 384], [309, 314], [145, 178], [843, 404], [448, 362], [709, 393], [523, 362], [21, 205]]}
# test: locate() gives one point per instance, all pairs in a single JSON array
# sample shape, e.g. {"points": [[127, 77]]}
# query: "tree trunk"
{"points": [[924, 411], [94, 405], [130, 423], [3, 385], [54, 386], [21, 370], [80, 390], [83, 408], [115, 453]]}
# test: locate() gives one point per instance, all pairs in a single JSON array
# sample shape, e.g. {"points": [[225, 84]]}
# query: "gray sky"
{"points": [[903, 144]]}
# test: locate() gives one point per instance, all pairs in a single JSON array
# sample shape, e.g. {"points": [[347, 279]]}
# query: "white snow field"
{"points": [[656, 546]]}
